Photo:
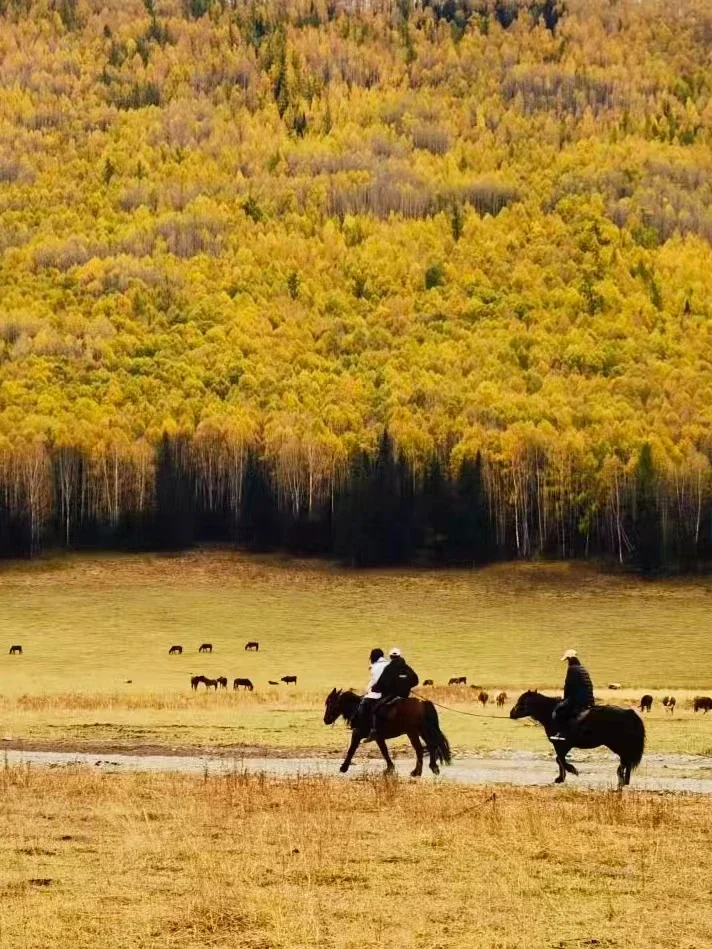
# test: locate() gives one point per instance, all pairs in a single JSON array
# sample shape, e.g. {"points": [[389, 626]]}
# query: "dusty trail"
{"points": [[671, 773]]}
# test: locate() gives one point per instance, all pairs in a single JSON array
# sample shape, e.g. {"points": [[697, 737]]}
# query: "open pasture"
{"points": [[142, 861], [96, 634]]}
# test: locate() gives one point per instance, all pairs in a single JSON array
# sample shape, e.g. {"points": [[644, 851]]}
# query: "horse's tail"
{"points": [[637, 740], [434, 738]]}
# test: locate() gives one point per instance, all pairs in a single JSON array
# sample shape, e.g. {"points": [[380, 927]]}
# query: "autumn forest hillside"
{"points": [[392, 280]]}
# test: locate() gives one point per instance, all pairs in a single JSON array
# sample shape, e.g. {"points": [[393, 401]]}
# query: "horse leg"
{"points": [[418, 749], [355, 742], [567, 764], [432, 752], [620, 771], [560, 760], [383, 748]]}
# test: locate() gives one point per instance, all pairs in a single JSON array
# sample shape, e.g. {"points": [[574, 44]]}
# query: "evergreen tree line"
{"points": [[380, 511]]}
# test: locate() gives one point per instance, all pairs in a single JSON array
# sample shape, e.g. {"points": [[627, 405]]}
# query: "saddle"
{"points": [[579, 719]]}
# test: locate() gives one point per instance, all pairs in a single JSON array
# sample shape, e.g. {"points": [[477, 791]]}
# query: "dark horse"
{"points": [[412, 717], [620, 729]]}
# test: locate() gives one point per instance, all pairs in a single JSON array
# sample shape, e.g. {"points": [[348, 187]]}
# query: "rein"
{"points": [[460, 711]]}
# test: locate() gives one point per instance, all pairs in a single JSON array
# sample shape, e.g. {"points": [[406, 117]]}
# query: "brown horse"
{"points": [[15, 650], [245, 683], [252, 646], [222, 681], [501, 699], [412, 717], [483, 697]]}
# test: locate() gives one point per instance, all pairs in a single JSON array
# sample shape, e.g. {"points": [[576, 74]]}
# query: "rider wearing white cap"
{"points": [[578, 694], [396, 681]]}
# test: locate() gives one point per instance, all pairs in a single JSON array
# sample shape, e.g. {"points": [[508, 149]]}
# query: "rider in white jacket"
{"points": [[363, 715], [378, 664]]}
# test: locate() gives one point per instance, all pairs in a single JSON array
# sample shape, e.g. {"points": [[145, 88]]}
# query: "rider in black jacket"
{"points": [[396, 681], [578, 694]]}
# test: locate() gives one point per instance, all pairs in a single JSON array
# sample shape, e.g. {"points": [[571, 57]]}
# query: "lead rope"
{"points": [[460, 711]]}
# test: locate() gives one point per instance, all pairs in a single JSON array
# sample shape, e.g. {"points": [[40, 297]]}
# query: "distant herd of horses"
{"points": [[221, 682]]}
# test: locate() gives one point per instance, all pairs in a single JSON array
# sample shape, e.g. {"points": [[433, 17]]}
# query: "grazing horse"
{"points": [[289, 680], [620, 729], [272, 682], [483, 697], [501, 699], [458, 680], [206, 647], [195, 682], [245, 683], [210, 683], [412, 717], [670, 702], [252, 646], [646, 703], [175, 651], [15, 650], [702, 703], [222, 681], [428, 682]]}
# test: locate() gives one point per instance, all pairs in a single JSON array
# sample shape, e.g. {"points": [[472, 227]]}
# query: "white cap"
{"points": [[569, 654], [394, 652]]}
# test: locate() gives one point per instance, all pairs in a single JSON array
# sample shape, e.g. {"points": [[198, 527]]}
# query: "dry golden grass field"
{"points": [[96, 632], [129, 861]]}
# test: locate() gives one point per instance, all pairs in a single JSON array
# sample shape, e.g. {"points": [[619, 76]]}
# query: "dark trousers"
{"points": [[365, 715], [565, 712], [379, 706]]}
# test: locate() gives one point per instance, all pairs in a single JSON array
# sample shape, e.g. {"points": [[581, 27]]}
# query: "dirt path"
{"points": [[676, 773]]}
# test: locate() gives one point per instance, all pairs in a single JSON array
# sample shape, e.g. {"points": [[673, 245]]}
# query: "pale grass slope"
{"points": [[175, 862]]}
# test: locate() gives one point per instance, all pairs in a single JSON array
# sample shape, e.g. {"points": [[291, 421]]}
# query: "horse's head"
{"points": [[522, 707], [332, 708]]}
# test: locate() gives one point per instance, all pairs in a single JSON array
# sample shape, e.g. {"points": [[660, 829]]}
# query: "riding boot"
{"points": [[373, 734]]}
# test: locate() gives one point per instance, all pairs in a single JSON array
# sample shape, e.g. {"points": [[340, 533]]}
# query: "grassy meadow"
{"points": [[96, 632], [136, 861]]}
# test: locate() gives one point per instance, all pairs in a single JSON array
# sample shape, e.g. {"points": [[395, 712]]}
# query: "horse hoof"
{"points": [[434, 768], [416, 773], [558, 780], [344, 768]]}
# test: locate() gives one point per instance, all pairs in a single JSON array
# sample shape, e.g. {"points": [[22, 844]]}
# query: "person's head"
{"points": [[395, 653], [376, 654], [571, 657]]}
